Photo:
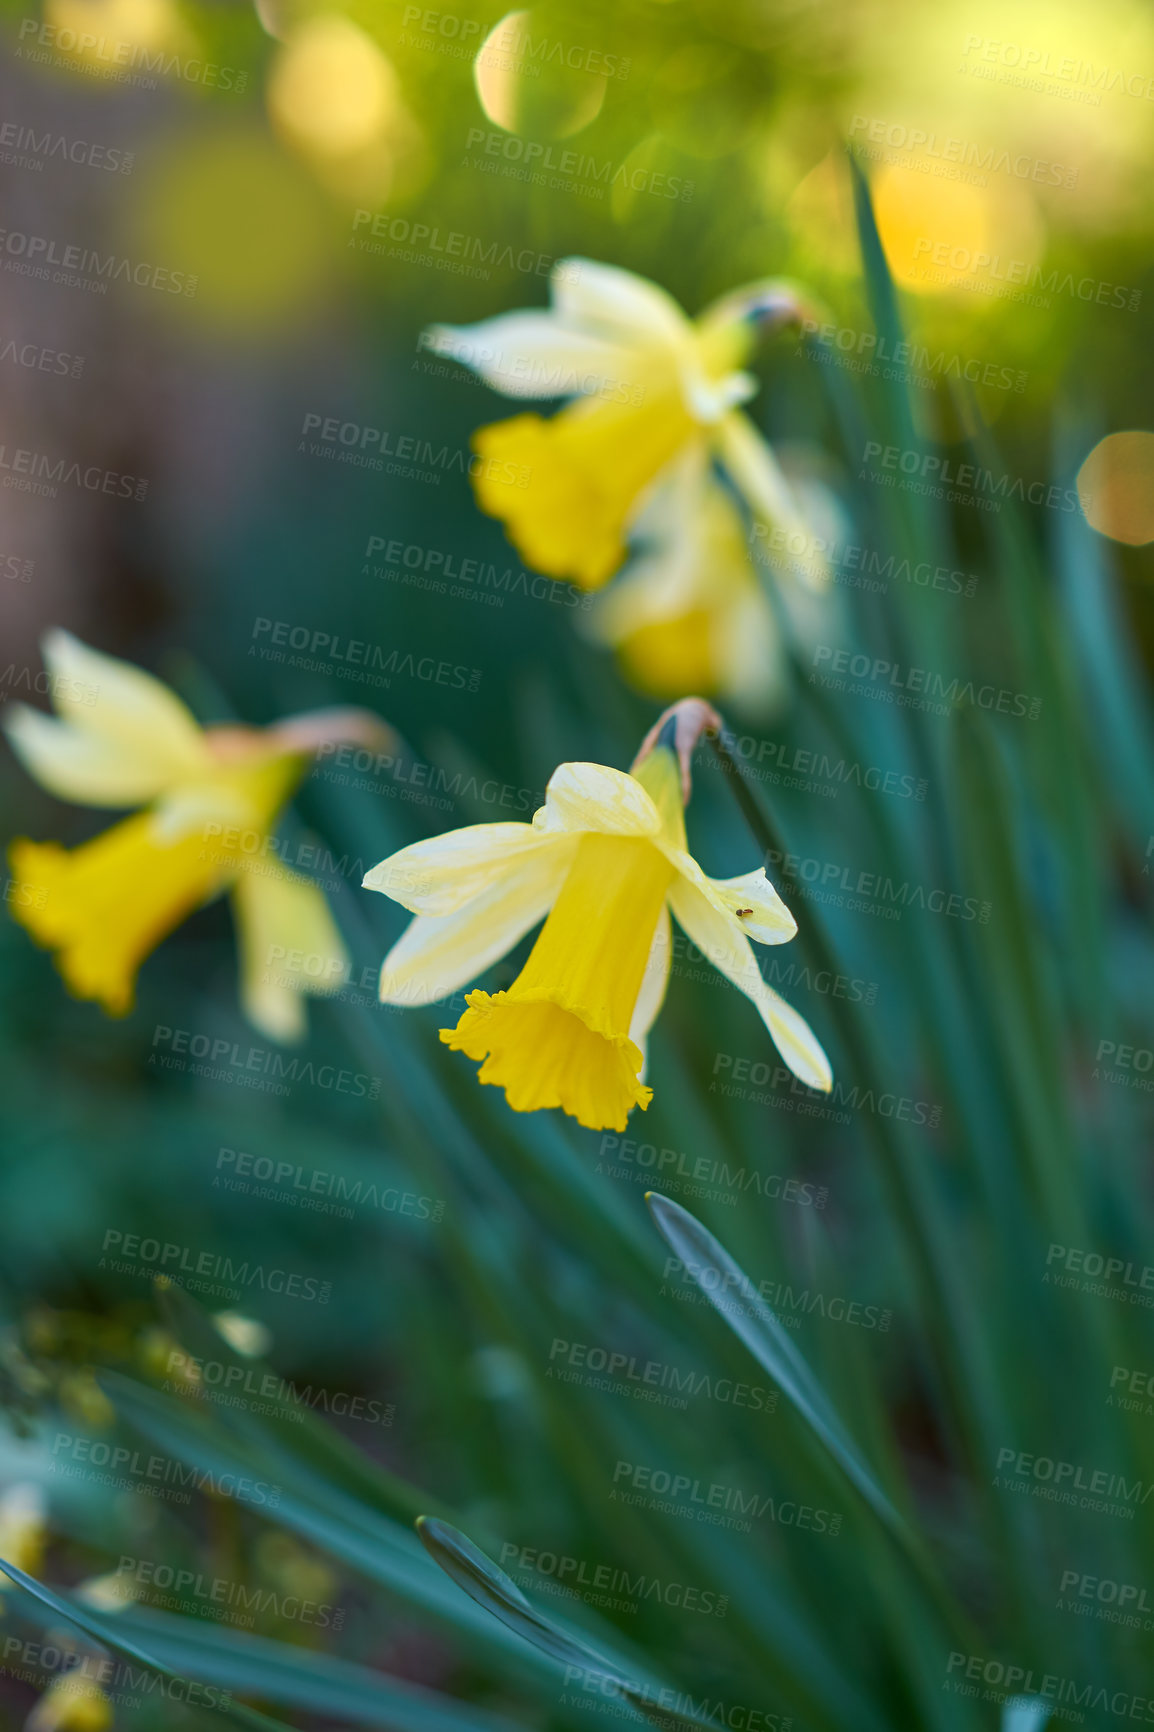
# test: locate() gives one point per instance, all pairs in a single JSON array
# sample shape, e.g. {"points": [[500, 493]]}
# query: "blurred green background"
{"points": [[982, 1115]]}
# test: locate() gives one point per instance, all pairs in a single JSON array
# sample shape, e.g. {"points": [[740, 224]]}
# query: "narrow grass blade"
{"points": [[490, 1587], [97, 1631]]}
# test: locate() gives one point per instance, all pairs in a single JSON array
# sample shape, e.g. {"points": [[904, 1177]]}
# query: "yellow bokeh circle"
{"points": [[1116, 487]]}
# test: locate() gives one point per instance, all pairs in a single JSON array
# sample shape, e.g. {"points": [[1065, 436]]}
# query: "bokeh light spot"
{"points": [[532, 82], [331, 90], [949, 237], [230, 211], [1116, 487], [99, 31]]}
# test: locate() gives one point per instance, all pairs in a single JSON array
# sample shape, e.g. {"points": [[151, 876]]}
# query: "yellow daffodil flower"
{"points": [[690, 613], [645, 383], [704, 605], [603, 862], [210, 797]]}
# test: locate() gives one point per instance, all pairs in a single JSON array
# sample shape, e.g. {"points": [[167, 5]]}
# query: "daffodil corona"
{"points": [[211, 797], [603, 862]]}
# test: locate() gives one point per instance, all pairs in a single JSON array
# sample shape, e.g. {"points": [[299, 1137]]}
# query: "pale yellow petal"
{"points": [[289, 945], [76, 763], [758, 475], [719, 937], [442, 873], [581, 797], [125, 706], [436, 954], [535, 355], [653, 985], [609, 299], [750, 898]]}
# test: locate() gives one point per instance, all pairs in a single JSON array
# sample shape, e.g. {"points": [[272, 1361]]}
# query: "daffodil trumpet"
{"points": [[209, 798], [645, 384], [604, 863]]}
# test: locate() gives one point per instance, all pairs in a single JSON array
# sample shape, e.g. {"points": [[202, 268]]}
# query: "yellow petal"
{"points": [[582, 797], [544, 1056], [758, 475], [567, 489], [438, 953], [77, 763], [289, 945], [611, 299], [104, 906], [750, 899], [653, 984], [443, 873], [718, 936], [690, 615], [535, 355], [126, 707], [560, 1036]]}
